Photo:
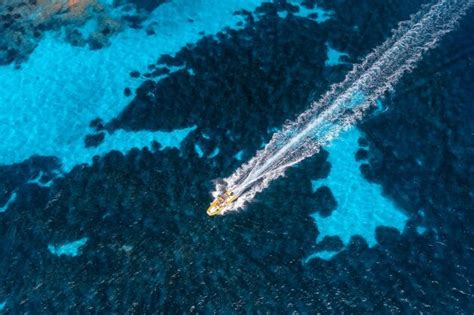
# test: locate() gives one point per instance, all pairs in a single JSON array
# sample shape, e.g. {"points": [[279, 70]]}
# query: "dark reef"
{"points": [[94, 140], [324, 201], [146, 5], [24, 23], [151, 246], [361, 154], [420, 149], [13, 178]]}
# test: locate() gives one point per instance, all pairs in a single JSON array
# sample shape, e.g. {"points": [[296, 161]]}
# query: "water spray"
{"points": [[342, 106]]}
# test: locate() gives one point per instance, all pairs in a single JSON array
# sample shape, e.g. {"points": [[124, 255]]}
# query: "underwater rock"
{"points": [[128, 217], [419, 148], [135, 74], [361, 154], [141, 5], [325, 202], [150, 29], [27, 22], [330, 243], [75, 38], [160, 71], [133, 21], [152, 248], [14, 177], [8, 55], [363, 142], [94, 140], [366, 171], [97, 40], [235, 90], [97, 124], [24, 24]]}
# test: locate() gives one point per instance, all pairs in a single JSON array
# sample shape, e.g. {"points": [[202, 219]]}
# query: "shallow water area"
{"points": [[8, 203], [361, 206], [68, 249], [334, 56], [110, 154], [47, 105]]}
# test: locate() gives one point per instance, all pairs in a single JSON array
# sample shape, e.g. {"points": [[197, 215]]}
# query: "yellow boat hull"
{"points": [[221, 203]]}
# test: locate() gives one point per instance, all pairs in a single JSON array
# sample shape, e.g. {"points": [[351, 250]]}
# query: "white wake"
{"points": [[345, 102]]}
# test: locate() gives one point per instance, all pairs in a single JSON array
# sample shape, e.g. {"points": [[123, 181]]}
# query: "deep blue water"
{"points": [[115, 121]]}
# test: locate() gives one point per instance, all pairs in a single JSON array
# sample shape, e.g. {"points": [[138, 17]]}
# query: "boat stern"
{"points": [[221, 203]]}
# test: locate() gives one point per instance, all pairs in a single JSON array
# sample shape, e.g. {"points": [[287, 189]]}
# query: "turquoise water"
{"points": [[323, 254], [334, 56], [214, 153], [50, 114], [322, 15], [361, 204], [68, 249], [238, 155], [37, 181], [8, 203], [155, 249], [420, 230], [61, 114], [198, 150]]}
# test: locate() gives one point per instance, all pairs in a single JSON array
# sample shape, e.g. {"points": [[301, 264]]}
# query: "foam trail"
{"points": [[346, 102]]}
